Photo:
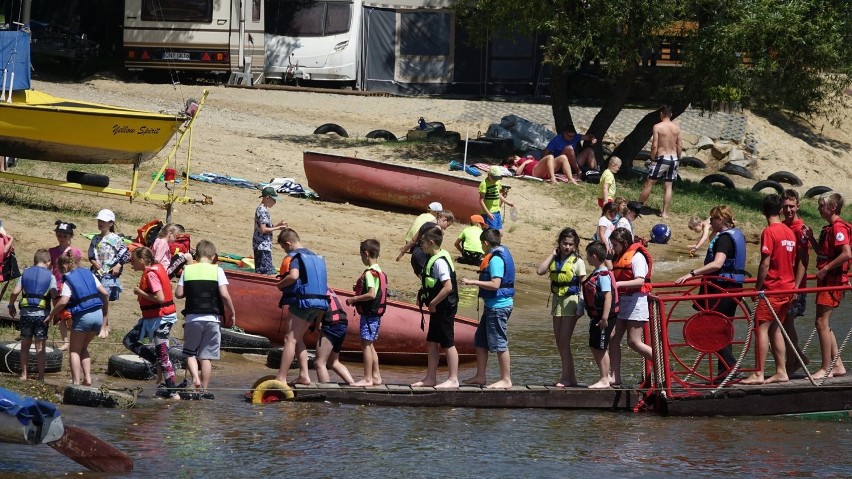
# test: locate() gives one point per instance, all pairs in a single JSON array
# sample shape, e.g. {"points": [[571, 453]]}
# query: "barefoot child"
{"points": [[332, 333], [64, 232], [108, 254], [699, 226], [602, 305], [159, 315], [496, 288], [208, 304], [833, 254], [490, 198], [565, 268], [88, 302], [439, 293], [607, 181], [371, 292], [304, 287], [261, 240], [775, 273], [37, 288]]}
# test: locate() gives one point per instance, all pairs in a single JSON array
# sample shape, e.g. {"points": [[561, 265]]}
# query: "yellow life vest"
{"points": [[563, 282]]}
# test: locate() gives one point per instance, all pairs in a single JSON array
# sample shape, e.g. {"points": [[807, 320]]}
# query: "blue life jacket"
{"points": [[310, 290], [85, 297], [507, 283], [35, 288], [732, 268]]}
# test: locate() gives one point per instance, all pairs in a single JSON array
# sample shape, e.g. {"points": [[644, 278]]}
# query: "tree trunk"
{"points": [[559, 98], [617, 97], [633, 142]]}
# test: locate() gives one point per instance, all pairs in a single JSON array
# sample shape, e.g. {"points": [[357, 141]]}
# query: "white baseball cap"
{"points": [[435, 206], [106, 215]]}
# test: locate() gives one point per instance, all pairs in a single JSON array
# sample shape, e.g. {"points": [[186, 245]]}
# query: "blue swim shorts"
{"points": [[496, 223], [370, 327], [33, 327], [491, 332]]}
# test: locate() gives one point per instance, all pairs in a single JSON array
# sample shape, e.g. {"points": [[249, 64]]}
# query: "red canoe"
{"points": [[400, 339], [343, 179]]}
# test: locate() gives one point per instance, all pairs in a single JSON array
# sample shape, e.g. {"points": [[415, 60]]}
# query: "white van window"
{"points": [[337, 19], [177, 10], [314, 19]]}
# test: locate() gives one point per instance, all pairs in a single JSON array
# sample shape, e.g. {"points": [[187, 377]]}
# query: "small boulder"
{"points": [[736, 156], [720, 150]]}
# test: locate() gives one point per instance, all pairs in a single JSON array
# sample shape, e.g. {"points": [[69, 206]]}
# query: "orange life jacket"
{"points": [[622, 269], [153, 309]]}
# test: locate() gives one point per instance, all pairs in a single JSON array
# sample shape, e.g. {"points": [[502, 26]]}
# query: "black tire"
{"points": [[607, 151], [130, 366], [816, 191], [175, 356], [237, 342], [381, 135], [763, 184], [88, 179], [692, 162], [331, 128], [717, 178], [642, 156], [437, 126], [785, 177], [273, 359], [96, 397], [738, 170], [10, 359]]}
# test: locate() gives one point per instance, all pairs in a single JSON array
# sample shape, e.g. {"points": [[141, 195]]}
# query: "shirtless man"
{"points": [[563, 148], [665, 156]]}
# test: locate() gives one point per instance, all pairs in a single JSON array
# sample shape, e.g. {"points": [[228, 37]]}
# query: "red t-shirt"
{"points": [[831, 242], [802, 244], [778, 242]]}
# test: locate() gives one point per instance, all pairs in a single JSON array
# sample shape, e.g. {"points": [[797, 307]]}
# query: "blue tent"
{"points": [[15, 57]]}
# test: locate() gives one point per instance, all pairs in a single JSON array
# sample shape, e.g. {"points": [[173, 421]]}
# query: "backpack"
{"points": [[147, 233]]}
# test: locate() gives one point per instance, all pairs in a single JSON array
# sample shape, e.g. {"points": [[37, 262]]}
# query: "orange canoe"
{"points": [[401, 341], [343, 179]]}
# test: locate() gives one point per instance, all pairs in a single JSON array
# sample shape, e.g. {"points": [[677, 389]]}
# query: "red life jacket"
{"points": [[147, 233], [594, 299], [828, 251], [152, 309], [181, 243], [335, 314], [377, 305], [622, 268]]}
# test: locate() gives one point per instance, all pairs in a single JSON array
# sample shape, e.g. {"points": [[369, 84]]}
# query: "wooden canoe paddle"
{"points": [[95, 454]]}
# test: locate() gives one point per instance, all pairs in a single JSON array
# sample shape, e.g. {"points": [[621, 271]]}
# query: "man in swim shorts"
{"points": [[665, 155]]}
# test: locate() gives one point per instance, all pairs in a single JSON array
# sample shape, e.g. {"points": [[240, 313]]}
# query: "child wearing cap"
{"points": [[490, 197], [64, 232], [469, 242], [261, 241], [429, 216], [108, 254], [629, 213]]}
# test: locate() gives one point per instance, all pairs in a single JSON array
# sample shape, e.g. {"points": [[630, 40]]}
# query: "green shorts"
{"points": [[565, 305]]}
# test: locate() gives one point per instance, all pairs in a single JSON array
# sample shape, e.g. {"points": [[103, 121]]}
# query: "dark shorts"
{"points": [[33, 327], [442, 328], [599, 338], [469, 257], [664, 168], [263, 262], [335, 333]]}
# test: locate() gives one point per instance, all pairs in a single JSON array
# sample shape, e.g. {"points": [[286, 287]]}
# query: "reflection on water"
{"points": [[230, 438]]}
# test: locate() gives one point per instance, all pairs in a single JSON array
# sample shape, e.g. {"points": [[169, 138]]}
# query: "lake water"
{"points": [[228, 437]]}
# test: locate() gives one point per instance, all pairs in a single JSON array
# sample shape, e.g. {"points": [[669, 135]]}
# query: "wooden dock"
{"points": [[531, 396]]}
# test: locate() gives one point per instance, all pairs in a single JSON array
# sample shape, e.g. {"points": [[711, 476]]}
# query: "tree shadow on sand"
{"points": [[797, 128]]}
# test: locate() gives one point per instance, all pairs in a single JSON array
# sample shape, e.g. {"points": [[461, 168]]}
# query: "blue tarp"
{"points": [[26, 409], [15, 57]]}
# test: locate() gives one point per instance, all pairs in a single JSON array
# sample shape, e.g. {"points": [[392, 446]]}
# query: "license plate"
{"points": [[176, 56]]}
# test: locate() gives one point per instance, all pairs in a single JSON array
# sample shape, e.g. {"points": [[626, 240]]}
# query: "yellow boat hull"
{"points": [[41, 127]]}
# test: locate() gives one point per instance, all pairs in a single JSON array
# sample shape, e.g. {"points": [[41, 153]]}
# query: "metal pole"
{"points": [[25, 12]]}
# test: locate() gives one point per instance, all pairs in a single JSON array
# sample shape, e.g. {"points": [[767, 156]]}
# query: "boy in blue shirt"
{"points": [[601, 300], [496, 287]]}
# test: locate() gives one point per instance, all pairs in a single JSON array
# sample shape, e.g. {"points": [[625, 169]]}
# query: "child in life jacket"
{"points": [[304, 290], [208, 307], [64, 232], [159, 315], [565, 268], [108, 254], [37, 287], [371, 291], [333, 327], [496, 288], [602, 304], [439, 293], [833, 255]]}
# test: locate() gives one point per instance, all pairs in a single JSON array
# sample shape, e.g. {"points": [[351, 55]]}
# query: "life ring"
{"points": [[256, 384], [760, 185], [331, 128], [10, 359], [817, 190], [717, 178], [381, 135], [240, 342], [785, 177], [273, 359], [271, 390], [97, 397], [88, 179]]}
